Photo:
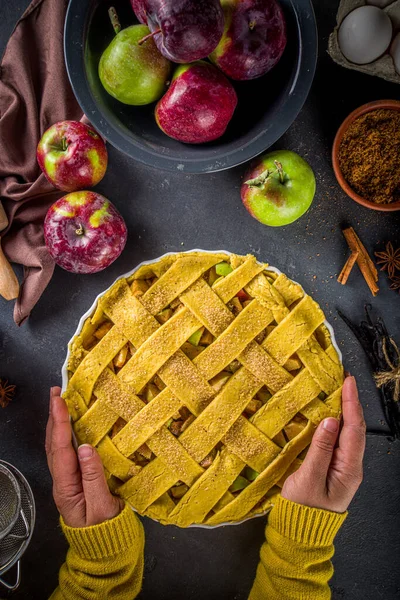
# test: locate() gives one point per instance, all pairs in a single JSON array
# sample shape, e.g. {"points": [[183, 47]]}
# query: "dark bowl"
{"points": [[267, 106]]}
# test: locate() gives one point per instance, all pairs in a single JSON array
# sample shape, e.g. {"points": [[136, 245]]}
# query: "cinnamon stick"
{"points": [[356, 244], [345, 273], [9, 286], [363, 259]]}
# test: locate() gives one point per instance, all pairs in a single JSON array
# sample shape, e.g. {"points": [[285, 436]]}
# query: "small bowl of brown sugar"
{"points": [[366, 155]]}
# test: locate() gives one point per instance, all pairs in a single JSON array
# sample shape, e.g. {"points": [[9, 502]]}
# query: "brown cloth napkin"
{"points": [[34, 94]]}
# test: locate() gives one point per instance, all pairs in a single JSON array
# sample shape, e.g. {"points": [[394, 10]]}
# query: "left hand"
{"points": [[80, 489], [331, 474]]}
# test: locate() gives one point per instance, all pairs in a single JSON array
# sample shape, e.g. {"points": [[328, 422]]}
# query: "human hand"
{"points": [[331, 474], [80, 489]]}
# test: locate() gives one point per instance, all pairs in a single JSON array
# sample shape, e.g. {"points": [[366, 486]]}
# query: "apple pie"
{"points": [[200, 379]]}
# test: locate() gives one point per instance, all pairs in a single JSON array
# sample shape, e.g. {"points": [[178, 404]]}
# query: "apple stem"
{"points": [[280, 170], [252, 24], [260, 180], [148, 36], [112, 13], [80, 230], [64, 144]]}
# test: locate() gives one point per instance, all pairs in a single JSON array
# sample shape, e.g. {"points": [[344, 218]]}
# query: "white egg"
{"points": [[365, 34], [380, 3], [395, 52]]}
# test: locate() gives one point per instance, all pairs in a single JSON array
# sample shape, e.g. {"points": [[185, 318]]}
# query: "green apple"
{"points": [[279, 189], [131, 68]]}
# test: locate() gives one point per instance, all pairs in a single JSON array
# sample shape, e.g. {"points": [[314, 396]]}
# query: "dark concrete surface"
{"points": [[167, 212]]}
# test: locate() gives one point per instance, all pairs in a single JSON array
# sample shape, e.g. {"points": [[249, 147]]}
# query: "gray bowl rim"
{"points": [[74, 34]]}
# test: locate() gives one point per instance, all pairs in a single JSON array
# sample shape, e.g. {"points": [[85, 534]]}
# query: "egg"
{"points": [[395, 52], [365, 34]]}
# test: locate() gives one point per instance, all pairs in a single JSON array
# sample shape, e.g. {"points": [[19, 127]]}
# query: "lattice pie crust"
{"points": [[201, 379]]}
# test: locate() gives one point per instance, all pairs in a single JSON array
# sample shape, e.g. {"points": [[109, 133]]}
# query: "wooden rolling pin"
{"points": [[9, 286], [3, 218]]}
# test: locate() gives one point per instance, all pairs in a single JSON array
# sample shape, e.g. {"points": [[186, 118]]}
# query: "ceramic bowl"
{"points": [[362, 110], [267, 105]]}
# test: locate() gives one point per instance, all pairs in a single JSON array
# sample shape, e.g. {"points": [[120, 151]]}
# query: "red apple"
{"points": [[84, 232], [198, 105], [183, 30], [139, 8], [254, 38], [72, 156]]}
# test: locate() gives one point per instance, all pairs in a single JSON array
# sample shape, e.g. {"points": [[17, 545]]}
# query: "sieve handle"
{"points": [[16, 584]]}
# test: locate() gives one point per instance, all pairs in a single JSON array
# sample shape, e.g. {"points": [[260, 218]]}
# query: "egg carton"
{"points": [[383, 66]]}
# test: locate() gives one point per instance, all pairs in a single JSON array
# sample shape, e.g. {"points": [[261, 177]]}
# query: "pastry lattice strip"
{"points": [[244, 442]]}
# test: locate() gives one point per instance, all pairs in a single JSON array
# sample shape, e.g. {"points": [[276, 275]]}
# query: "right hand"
{"points": [[80, 489], [332, 473]]}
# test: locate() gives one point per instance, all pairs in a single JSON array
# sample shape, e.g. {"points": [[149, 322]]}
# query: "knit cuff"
{"points": [[106, 539], [305, 525]]}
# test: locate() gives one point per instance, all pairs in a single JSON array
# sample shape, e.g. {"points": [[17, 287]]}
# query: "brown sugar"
{"points": [[369, 156]]}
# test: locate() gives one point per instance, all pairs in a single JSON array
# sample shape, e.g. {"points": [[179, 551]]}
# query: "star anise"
{"points": [[7, 393], [395, 283], [389, 259]]}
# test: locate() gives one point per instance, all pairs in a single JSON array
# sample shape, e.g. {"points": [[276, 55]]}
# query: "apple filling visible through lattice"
{"points": [[200, 379]]}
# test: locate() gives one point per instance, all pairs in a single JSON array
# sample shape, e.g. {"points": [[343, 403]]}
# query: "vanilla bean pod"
{"points": [[374, 338]]}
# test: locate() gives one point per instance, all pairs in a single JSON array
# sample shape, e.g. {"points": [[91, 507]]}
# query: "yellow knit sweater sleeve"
{"points": [[106, 561], [103, 561], [295, 559]]}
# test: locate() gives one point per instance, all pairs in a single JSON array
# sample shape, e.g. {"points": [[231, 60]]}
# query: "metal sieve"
{"points": [[17, 508], [10, 501]]}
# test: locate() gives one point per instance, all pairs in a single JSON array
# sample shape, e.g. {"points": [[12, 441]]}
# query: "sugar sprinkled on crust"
{"points": [[163, 462]]}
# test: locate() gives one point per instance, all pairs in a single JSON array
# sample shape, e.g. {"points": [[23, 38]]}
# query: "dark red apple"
{"points": [[198, 105], [184, 30], [84, 232], [139, 8], [72, 155], [254, 38]]}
